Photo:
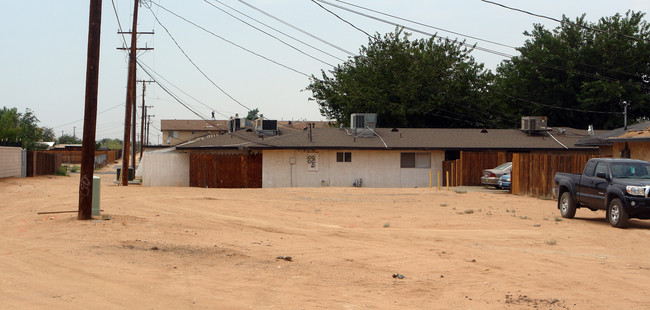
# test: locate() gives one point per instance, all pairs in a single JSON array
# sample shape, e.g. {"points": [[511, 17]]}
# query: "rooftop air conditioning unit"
{"points": [[266, 126], [363, 124], [534, 123]]}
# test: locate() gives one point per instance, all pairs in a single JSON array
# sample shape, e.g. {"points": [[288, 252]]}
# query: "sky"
{"points": [[44, 48]]}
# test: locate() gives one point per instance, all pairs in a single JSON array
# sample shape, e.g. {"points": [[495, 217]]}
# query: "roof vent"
{"points": [[484, 131], [394, 130]]}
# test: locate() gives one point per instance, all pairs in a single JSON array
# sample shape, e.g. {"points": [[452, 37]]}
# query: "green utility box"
{"points": [[96, 191]]}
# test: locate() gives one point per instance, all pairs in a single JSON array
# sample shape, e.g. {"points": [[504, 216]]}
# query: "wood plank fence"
{"points": [[533, 174], [47, 162], [226, 170], [42, 163], [467, 170]]}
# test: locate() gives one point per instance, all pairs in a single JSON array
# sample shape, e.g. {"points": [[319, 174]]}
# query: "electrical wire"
{"points": [[565, 22], [231, 42], [194, 64], [474, 46], [425, 25], [79, 120], [294, 38], [297, 28], [163, 78], [345, 21]]}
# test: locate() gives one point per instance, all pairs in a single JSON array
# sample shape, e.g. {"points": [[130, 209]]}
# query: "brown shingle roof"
{"points": [[402, 138], [196, 125]]}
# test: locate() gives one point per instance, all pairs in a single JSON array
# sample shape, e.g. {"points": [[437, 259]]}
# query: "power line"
{"points": [[345, 21], [504, 55], [296, 39], [564, 22], [170, 93], [194, 64], [425, 25], [555, 67], [170, 83], [298, 29], [232, 43], [79, 120]]}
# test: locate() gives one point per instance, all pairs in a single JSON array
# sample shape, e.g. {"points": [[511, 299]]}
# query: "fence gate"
{"points": [[226, 170]]}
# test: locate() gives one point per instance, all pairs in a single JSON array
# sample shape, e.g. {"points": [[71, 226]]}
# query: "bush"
{"points": [[61, 171]]}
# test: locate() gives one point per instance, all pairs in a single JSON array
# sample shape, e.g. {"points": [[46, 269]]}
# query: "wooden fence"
{"points": [[47, 162], [469, 168], [42, 163], [74, 157], [226, 170], [532, 174]]}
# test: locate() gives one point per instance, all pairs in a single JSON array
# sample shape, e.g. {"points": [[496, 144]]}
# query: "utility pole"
{"points": [[625, 105], [74, 131], [90, 112], [144, 113], [149, 123], [129, 115], [129, 96]]}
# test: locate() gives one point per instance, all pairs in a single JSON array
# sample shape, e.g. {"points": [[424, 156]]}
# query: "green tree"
{"points": [[68, 139], [22, 128], [9, 125], [111, 144], [430, 82], [580, 73], [253, 114]]}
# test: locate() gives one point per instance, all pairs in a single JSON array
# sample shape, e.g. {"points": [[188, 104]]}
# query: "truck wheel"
{"points": [[616, 214], [567, 206]]}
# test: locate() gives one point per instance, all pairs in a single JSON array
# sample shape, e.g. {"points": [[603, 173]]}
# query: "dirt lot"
{"points": [[177, 248]]}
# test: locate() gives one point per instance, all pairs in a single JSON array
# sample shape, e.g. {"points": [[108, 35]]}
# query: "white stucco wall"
{"points": [[165, 168], [10, 162], [290, 168]]}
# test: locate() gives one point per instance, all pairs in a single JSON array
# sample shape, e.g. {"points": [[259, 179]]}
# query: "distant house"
{"points": [[178, 131], [343, 157], [630, 142]]}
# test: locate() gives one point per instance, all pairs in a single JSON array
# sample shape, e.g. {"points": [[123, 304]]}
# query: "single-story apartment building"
{"points": [[342, 157]]}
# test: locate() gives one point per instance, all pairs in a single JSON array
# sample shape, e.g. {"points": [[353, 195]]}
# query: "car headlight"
{"points": [[507, 179], [637, 190]]}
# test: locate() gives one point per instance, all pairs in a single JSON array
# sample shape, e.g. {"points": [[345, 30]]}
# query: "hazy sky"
{"points": [[44, 46]]}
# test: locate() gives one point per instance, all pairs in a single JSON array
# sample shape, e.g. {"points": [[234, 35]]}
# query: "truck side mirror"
{"points": [[602, 175]]}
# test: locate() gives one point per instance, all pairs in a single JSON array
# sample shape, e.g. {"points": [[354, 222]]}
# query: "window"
{"points": [[415, 160], [173, 133], [343, 157], [601, 167]]}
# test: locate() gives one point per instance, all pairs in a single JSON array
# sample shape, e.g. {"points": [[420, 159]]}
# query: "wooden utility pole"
{"points": [[90, 112], [144, 113], [130, 90], [149, 123]]}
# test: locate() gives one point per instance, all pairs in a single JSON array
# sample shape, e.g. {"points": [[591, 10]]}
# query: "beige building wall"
{"points": [[10, 162], [165, 168], [302, 168], [638, 150]]}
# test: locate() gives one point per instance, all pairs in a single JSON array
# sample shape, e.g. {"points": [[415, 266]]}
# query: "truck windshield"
{"points": [[631, 170]]}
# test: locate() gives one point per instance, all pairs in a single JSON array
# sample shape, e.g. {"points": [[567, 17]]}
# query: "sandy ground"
{"points": [[178, 248]]}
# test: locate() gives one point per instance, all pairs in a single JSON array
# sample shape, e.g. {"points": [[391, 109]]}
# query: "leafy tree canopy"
{"points": [[581, 73], [68, 139], [22, 128], [111, 144], [430, 82], [253, 114]]}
